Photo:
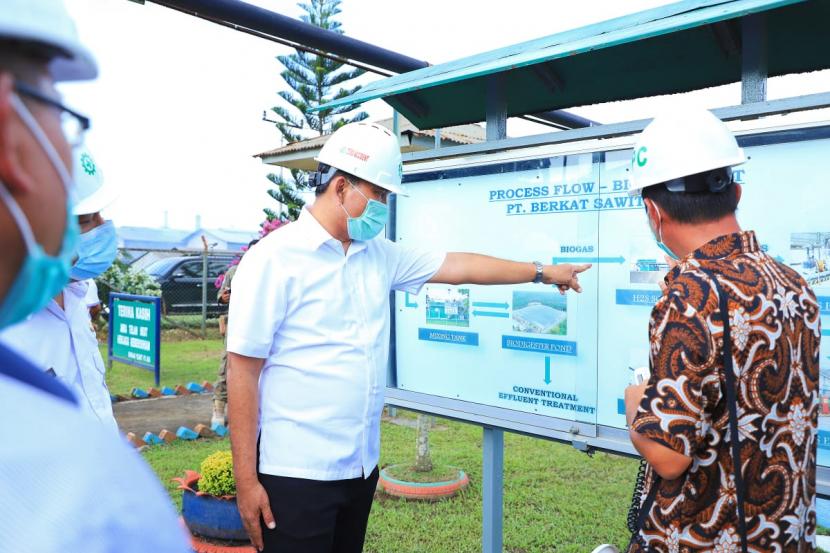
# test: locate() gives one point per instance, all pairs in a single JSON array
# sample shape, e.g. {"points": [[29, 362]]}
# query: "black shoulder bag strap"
{"points": [[732, 405], [638, 513]]}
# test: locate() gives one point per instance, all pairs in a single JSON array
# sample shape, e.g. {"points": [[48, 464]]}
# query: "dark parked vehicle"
{"points": [[181, 281]]}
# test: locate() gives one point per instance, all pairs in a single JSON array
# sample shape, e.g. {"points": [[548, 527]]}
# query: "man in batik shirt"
{"points": [[680, 419]]}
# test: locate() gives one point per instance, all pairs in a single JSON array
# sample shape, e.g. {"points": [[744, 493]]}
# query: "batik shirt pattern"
{"points": [[775, 331]]}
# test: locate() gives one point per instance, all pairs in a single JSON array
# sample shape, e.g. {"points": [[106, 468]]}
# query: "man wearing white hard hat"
{"points": [[727, 420], [59, 338], [98, 249], [67, 483], [308, 343]]}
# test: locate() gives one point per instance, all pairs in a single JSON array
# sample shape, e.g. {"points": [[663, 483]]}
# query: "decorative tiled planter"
{"points": [[422, 490]]}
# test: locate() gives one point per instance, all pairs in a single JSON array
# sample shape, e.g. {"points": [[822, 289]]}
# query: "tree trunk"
{"points": [[423, 462]]}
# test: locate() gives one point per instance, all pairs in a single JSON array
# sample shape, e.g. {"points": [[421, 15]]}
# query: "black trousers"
{"points": [[315, 516]]}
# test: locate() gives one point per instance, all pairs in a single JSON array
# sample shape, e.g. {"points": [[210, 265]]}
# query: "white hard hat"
{"points": [[47, 22], [368, 151], [91, 191], [685, 142]]}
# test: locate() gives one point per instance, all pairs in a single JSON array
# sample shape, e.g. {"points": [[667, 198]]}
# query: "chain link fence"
{"points": [[186, 279]]}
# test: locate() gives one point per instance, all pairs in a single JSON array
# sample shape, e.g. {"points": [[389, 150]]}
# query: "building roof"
{"points": [[166, 238], [152, 235], [683, 46], [301, 154]]}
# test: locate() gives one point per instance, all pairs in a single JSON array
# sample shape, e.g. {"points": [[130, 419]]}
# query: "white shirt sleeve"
{"points": [[413, 267], [258, 303], [91, 297]]}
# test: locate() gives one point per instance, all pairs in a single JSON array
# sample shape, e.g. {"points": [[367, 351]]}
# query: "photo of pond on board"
{"points": [[540, 313]]}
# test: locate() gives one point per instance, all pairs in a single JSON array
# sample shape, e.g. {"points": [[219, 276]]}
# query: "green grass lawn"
{"points": [[555, 498], [181, 362]]}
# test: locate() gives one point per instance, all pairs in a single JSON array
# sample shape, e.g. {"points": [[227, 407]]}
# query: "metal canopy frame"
{"points": [[684, 46]]}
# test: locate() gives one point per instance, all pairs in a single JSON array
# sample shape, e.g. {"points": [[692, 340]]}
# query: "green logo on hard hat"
{"points": [[640, 157], [400, 170], [87, 164]]}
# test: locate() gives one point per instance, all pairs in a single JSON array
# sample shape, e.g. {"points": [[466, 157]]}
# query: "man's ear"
{"points": [[738, 191], [651, 212], [339, 183], [12, 141]]}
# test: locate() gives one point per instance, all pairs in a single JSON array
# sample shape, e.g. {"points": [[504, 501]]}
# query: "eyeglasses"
{"points": [[74, 124], [381, 193]]}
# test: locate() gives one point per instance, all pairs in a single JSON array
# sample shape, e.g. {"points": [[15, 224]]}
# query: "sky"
{"points": [[177, 109]]}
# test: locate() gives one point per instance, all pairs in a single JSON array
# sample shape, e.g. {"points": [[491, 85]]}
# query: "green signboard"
{"points": [[135, 331]]}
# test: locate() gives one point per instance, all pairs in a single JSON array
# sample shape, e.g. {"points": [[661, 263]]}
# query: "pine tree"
{"points": [[312, 80]]}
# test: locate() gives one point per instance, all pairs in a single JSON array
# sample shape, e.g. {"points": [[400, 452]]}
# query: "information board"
{"points": [[528, 349], [134, 331]]}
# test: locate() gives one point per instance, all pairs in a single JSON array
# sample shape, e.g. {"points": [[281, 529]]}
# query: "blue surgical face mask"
{"points": [[370, 223], [41, 276], [97, 249], [658, 236]]}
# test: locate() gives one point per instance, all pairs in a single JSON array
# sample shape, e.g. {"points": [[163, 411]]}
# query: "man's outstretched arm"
{"points": [[473, 268]]}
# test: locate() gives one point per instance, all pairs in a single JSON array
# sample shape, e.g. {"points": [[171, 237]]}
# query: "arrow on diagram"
{"points": [[478, 313], [620, 259], [504, 305]]}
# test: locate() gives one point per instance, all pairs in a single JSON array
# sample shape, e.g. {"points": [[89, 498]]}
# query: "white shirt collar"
{"points": [[314, 235], [312, 232]]}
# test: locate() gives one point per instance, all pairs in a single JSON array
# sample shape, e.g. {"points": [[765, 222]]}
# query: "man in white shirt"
{"points": [[66, 483], [308, 343], [59, 338]]}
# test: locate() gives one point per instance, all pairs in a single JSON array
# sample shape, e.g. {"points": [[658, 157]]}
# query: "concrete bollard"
{"points": [[203, 431], [219, 429], [194, 388], [184, 433], [153, 439], [167, 436], [135, 440]]}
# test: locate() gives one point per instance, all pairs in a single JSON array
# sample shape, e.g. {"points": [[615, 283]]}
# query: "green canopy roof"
{"points": [[683, 46]]}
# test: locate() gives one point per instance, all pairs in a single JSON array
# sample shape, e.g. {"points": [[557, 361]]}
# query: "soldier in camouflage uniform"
{"points": [[220, 388]]}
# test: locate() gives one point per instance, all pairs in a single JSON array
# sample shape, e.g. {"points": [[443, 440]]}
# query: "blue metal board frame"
{"points": [[156, 366], [582, 436]]}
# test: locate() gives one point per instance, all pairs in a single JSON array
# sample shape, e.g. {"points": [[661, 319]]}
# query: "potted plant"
{"points": [[423, 480], [209, 506]]}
